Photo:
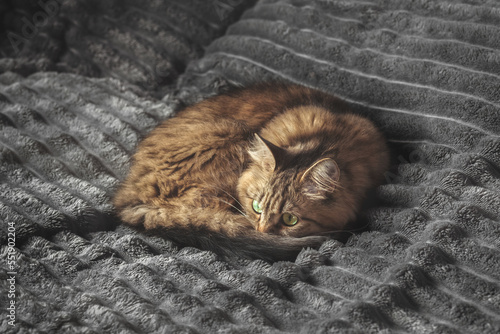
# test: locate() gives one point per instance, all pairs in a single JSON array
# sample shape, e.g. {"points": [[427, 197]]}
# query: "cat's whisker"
{"points": [[233, 206], [336, 185], [336, 231], [359, 228], [351, 231], [229, 194]]}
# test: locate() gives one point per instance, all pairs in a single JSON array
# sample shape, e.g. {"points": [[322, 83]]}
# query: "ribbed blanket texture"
{"points": [[81, 88]]}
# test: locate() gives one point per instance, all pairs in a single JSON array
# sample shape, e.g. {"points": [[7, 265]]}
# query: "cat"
{"points": [[260, 172]]}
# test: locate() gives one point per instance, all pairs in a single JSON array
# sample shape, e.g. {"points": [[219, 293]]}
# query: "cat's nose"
{"points": [[269, 229], [267, 224], [261, 228]]}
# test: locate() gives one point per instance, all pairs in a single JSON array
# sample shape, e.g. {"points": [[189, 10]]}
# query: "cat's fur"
{"points": [[291, 148]]}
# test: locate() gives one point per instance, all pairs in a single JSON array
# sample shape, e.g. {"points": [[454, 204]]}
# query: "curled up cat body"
{"points": [[260, 172]]}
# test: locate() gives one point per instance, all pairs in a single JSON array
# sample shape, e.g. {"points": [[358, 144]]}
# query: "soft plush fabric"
{"points": [[78, 95]]}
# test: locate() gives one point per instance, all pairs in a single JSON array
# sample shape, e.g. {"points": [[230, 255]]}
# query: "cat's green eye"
{"points": [[289, 219], [256, 206]]}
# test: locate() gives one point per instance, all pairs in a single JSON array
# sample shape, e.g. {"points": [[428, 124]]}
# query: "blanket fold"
{"points": [[426, 72]]}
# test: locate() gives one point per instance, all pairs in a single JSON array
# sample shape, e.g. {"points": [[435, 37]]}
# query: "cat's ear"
{"points": [[320, 179], [265, 153]]}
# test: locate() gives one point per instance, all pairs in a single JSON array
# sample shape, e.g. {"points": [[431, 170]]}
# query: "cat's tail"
{"points": [[251, 244], [222, 233]]}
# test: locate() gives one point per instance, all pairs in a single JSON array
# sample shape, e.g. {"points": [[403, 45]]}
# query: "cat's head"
{"points": [[290, 194]]}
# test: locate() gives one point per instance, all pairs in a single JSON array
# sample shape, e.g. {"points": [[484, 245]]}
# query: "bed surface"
{"points": [[78, 93]]}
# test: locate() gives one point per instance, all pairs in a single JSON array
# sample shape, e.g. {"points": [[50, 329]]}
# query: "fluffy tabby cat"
{"points": [[260, 172]]}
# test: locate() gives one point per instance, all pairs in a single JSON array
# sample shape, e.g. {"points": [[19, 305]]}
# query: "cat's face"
{"points": [[292, 198]]}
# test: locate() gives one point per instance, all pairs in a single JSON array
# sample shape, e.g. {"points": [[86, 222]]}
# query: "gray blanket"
{"points": [[79, 91]]}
